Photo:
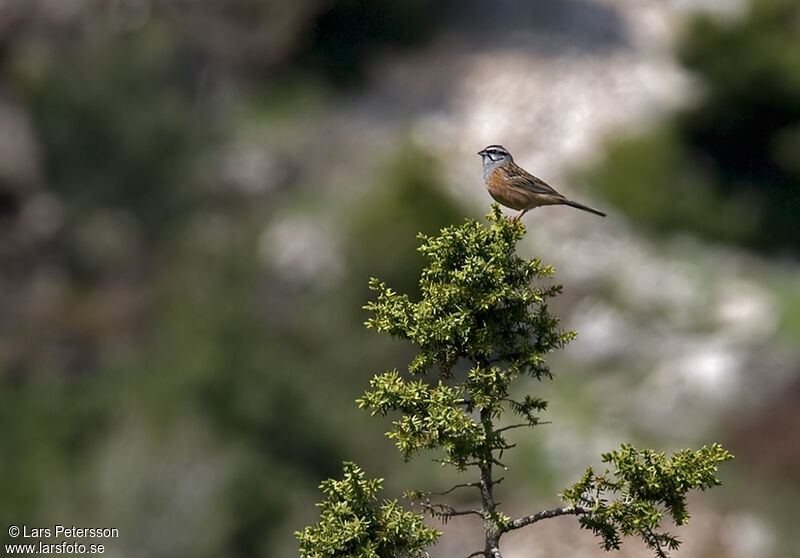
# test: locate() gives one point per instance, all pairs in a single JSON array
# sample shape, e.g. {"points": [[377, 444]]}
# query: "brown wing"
{"points": [[516, 188], [522, 179]]}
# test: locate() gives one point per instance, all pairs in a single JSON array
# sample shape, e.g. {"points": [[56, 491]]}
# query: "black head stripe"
{"points": [[499, 149]]}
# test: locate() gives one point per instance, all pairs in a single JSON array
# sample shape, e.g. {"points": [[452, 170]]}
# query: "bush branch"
{"points": [[465, 485], [546, 514]]}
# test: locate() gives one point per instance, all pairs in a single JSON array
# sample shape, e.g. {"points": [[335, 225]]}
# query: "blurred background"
{"points": [[194, 193]]}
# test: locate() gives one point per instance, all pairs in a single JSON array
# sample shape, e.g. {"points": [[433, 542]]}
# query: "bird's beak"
{"points": [[482, 152]]}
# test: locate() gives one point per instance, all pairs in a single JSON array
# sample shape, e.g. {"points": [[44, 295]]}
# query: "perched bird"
{"points": [[516, 188]]}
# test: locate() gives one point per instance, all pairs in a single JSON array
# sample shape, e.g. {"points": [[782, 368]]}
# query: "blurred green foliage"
{"points": [[113, 114], [161, 386], [727, 165], [412, 196]]}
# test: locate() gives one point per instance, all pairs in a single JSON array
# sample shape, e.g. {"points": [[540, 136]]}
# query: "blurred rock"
{"points": [[303, 251], [19, 169], [746, 312], [747, 536], [770, 439], [41, 217]]}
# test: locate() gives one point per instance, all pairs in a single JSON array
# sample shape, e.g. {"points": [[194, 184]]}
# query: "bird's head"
{"points": [[492, 157], [495, 154]]}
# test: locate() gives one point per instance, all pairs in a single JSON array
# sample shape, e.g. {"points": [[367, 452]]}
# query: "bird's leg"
{"points": [[519, 215]]}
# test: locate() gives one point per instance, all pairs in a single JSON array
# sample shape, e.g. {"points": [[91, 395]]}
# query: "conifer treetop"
{"points": [[481, 322]]}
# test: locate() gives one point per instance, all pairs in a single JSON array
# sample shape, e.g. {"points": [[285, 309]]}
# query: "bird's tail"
{"points": [[584, 207]]}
